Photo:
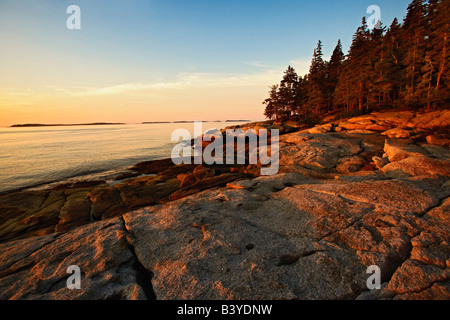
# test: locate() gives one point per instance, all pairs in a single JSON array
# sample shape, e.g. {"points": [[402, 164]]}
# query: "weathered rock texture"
{"points": [[36, 268], [65, 207], [341, 202]]}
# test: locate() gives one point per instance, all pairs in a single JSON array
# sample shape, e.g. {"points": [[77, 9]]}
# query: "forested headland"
{"points": [[404, 66]]}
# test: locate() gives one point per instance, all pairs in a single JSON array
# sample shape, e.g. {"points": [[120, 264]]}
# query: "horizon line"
{"points": [[24, 125]]}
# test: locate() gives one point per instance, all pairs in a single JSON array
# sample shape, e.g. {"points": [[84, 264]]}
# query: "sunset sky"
{"points": [[162, 60]]}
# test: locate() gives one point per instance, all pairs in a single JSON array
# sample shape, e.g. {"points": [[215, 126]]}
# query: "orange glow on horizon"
{"points": [[138, 106]]}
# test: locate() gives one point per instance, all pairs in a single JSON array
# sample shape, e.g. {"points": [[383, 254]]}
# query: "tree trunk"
{"points": [[444, 55], [360, 96]]}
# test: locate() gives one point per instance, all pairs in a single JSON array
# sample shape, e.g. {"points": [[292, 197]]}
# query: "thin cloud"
{"points": [[181, 82], [258, 64]]}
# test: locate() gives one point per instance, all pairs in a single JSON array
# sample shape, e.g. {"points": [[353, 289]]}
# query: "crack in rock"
{"points": [[143, 276]]}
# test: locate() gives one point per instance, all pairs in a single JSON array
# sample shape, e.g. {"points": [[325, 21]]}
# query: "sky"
{"points": [[162, 60]]}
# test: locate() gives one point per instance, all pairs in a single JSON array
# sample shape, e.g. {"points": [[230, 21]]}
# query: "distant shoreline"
{"points": [[31, 125], [192, 121], [28, 125]]}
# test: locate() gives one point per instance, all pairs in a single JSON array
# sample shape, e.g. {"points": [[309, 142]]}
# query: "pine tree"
{"points": [[413, 40], [344, 94], [287, 92], [301, 97], [439, 26], [424, 88], [376, 72], [272, 104], [357, 70], [317, 73], [334, 68], [393, 66]]}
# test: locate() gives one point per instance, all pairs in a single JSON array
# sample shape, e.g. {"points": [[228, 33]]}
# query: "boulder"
{"points": [[431, 120], [321, 152], [396, 150], [399, 119], [153, 167], [199, 174], [361, 131], [417, 166], [380, 163], [409, 159], [351, 164], [295, 138], [441, 140], [379, 127], [347, 125], [363, 120], [397, 133], [318, 129]]}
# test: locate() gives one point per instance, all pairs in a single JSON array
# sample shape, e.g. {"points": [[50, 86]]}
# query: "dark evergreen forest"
{"points": [[404, 66]]}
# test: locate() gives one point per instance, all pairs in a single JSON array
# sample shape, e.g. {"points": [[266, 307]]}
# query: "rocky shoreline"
{"points": [[350, 193]]}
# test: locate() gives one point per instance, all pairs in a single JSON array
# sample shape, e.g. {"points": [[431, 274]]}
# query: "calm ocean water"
{"points": [[41, 155]]}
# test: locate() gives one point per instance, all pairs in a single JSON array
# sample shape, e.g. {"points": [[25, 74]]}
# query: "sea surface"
{"points": [[36, 156]]}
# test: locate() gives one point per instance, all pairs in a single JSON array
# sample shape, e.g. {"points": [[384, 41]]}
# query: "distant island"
{"points": [[192, 121], [27, 125], [156, 122]]}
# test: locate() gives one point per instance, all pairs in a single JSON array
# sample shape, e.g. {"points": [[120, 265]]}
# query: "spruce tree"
{"points": [[272, 104], [287, 92], [358, 68], [424, 87], [376, 72], [413, 40], [317, 73], [345, 94], [393, 63], [334, 68], [301, 97], [439, 26]]}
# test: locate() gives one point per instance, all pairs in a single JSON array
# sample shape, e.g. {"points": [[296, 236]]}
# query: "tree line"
{"points": [[403, 66]]}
